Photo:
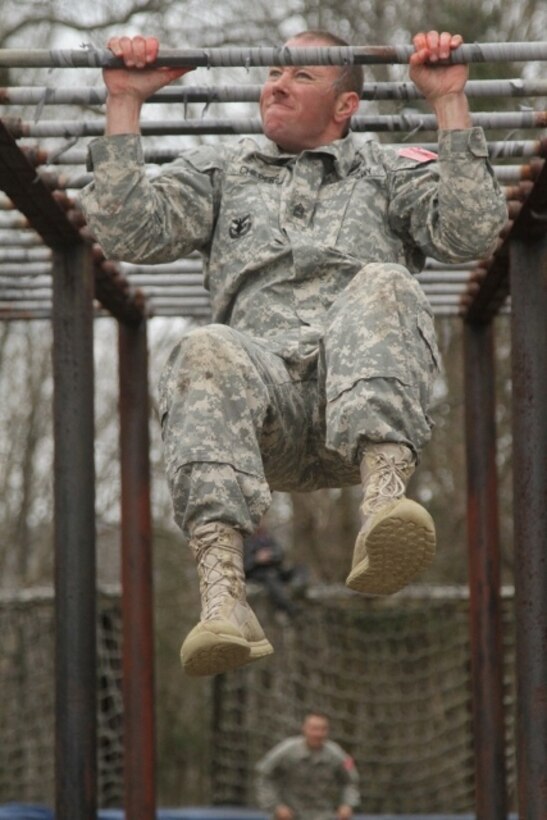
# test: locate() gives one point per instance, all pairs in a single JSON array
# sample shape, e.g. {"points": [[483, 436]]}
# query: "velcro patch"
{"points": [[417, 153]]}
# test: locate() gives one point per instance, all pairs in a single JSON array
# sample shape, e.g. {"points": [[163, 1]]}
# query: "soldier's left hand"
{"points": [[344, 813], [431, 79]]}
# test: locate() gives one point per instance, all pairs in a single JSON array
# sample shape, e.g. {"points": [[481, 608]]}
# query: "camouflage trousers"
{"points": [[239, 420]]}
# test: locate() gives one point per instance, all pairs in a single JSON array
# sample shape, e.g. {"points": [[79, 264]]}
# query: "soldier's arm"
{"points": [[349, 779], [455, 209], [269, 770], [148, 220], [452, 209], [133, 217]]}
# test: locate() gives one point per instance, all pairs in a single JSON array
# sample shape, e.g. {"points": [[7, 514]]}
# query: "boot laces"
{"points": [[217, 561], [386, 481]]}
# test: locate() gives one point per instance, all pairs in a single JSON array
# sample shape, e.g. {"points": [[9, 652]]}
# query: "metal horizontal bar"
{"points": [[23, 282], [35, 254], [29, 311], [182, 278], [435, 264], [186, 265], [22, 294], [91, 57], [252, 125], [30, 269], [11, 220], [83, 95], [444, 278]]}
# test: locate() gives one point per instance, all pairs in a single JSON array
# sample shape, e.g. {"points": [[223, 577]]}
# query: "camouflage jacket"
{"points": [[282, 234], [313, 783]]}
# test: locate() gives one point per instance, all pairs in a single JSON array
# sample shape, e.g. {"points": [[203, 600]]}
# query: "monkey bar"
{"points": [[51, 268], [91, 57]]}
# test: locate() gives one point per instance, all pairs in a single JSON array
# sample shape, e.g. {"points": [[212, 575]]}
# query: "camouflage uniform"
{"points": [[312, 782], [322, 338]]}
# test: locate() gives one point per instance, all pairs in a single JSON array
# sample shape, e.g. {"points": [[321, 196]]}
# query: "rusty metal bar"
{"points": [[528, 263], [137, 604], [30, 196], [47, 216], [484, 572], [75, 652]]}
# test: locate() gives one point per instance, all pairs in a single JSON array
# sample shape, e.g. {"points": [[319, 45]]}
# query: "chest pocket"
{"points": [[364, 232], [248, 214]]}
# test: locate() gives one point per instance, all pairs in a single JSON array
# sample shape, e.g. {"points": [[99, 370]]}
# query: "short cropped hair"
{"points": [[351, 76], [316, 713]]}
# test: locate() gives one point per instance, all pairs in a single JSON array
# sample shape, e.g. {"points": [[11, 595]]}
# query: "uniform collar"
{"points": [[342, 151]]}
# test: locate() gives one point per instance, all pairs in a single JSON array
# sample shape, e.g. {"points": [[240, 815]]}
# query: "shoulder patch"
{"points": [[348, 763], [417, 153]]}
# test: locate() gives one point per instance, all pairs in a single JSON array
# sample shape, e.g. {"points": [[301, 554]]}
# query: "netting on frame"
{"points": [[28, 700], [393, 675]]}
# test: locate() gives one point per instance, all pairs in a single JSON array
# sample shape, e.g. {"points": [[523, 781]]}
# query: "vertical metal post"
{"points": [[75, 622], [484, 572], [137, 597], [528, 266]]}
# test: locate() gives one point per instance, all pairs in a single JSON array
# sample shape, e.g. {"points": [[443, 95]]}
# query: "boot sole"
{"points": [[211, 653], [399, 547]]}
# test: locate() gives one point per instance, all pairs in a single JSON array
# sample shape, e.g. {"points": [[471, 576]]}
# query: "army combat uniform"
{"points": [[321, 339], [312, 782]]}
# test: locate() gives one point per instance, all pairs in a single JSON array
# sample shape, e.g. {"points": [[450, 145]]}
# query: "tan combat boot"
{"points": [[228, 634], [397, 536]]}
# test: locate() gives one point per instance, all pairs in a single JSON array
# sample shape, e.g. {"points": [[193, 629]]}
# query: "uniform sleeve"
{"points": [[350, 791], [268, 772], [347, 776], [148, 220], [452, 209]]}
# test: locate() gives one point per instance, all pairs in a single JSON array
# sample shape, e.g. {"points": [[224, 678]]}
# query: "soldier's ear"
{"points": [[347, 104]]}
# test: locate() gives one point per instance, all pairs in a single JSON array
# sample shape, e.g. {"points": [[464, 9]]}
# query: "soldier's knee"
{"points": [[212, 346]]}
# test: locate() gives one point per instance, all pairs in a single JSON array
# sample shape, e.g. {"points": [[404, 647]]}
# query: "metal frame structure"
{"points": [[50, 268]]}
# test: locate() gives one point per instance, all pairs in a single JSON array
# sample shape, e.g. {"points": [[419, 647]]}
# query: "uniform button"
{"points": [[299, 210]]}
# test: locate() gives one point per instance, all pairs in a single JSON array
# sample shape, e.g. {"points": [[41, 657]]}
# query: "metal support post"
{"points": [[137, 600], [528, 266], [484, 572], [75, 607]]}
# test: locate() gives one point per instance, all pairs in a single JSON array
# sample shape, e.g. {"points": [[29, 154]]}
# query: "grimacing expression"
{"points": [[300, 106]]}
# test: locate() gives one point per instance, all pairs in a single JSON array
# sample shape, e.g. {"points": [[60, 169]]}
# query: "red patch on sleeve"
{"points": [[348, 763], [417, 153]]}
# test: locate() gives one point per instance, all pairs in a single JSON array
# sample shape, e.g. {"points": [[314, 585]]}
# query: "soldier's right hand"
{"points": [[139, 81]]}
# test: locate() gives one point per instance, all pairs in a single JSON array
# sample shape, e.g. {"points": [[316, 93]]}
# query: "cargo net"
{"points": [[394, 677], [27, 704]]}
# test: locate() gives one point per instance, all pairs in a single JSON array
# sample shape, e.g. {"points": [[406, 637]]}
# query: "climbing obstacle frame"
{"points": [[51, 268]]}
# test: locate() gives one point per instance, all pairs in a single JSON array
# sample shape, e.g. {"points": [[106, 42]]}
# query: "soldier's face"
{"points": [[315, 730], [299, 104]]}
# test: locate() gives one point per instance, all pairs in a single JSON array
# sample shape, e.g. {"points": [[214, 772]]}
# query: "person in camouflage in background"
{"points": [[308, 777], [318, 367]]}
